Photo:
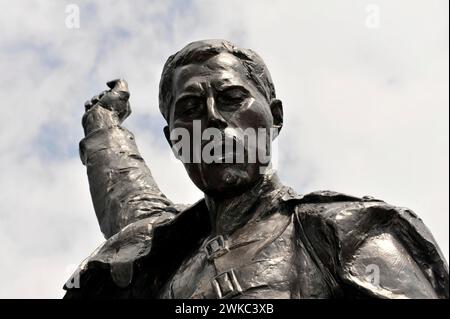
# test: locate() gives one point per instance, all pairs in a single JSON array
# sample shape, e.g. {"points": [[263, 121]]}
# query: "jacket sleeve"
{"points": [[121, 185], [375, 250]]}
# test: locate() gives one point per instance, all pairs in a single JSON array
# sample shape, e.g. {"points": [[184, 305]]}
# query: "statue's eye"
{"points": [[231, 99], [189, 106]]}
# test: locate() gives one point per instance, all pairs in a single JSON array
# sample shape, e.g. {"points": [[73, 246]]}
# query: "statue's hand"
{"points": [[115, 99]]}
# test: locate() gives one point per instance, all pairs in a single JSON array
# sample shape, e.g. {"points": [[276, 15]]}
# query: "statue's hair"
{"points": [[201, 51]]}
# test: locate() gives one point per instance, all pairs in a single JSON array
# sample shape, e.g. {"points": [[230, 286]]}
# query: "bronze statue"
{"points": [[251, 236]]}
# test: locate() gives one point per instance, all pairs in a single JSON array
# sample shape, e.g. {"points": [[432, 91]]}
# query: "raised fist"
{"points": [[115, 99]]}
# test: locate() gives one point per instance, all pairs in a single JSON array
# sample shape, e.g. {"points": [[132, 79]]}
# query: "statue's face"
{"points": [[218, 95]]}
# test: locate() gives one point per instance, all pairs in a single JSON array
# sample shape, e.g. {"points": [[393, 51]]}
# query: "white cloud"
{"points": [[366, 109]]}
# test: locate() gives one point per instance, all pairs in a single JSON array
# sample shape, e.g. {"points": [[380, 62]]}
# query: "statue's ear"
{"points": [[167, 135], [276, 108]]}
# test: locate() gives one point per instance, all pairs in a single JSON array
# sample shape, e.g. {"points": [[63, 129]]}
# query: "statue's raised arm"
{"points": [[121, 185]]}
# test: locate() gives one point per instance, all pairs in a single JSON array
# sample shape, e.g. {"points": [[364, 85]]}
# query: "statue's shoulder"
{"points": [[112, 265], [345, 211], [114, 268], [353, 217], [347, 234]]}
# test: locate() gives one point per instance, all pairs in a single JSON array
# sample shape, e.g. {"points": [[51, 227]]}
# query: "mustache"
{"points": [[226, 138], [213, 145]]}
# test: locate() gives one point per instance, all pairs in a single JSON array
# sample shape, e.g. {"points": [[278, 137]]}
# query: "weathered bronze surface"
{"points": [[251, 236]]}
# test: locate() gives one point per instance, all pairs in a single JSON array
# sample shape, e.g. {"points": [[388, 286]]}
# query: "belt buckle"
{"points": [[226, 284], [216, 247]]}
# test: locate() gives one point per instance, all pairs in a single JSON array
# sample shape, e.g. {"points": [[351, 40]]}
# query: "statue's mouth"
{"points": [[229, 150]]}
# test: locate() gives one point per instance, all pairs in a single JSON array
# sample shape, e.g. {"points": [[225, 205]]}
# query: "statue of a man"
{"points": [[251, 236]]}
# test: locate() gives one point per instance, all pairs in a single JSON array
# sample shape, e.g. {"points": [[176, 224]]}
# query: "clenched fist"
{"points": [[109, 108]]}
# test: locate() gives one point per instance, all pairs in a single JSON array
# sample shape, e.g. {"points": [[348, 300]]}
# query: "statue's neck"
{"points": [[229, 214]]}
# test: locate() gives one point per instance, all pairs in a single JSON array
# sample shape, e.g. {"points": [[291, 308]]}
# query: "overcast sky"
{"points": [[364, 86]]}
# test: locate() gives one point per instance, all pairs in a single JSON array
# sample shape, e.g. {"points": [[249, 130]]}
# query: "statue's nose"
{"points": [[215, 119]]}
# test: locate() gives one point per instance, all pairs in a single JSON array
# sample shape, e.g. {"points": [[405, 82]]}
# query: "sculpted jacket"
{"points": [[319, 245]]}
